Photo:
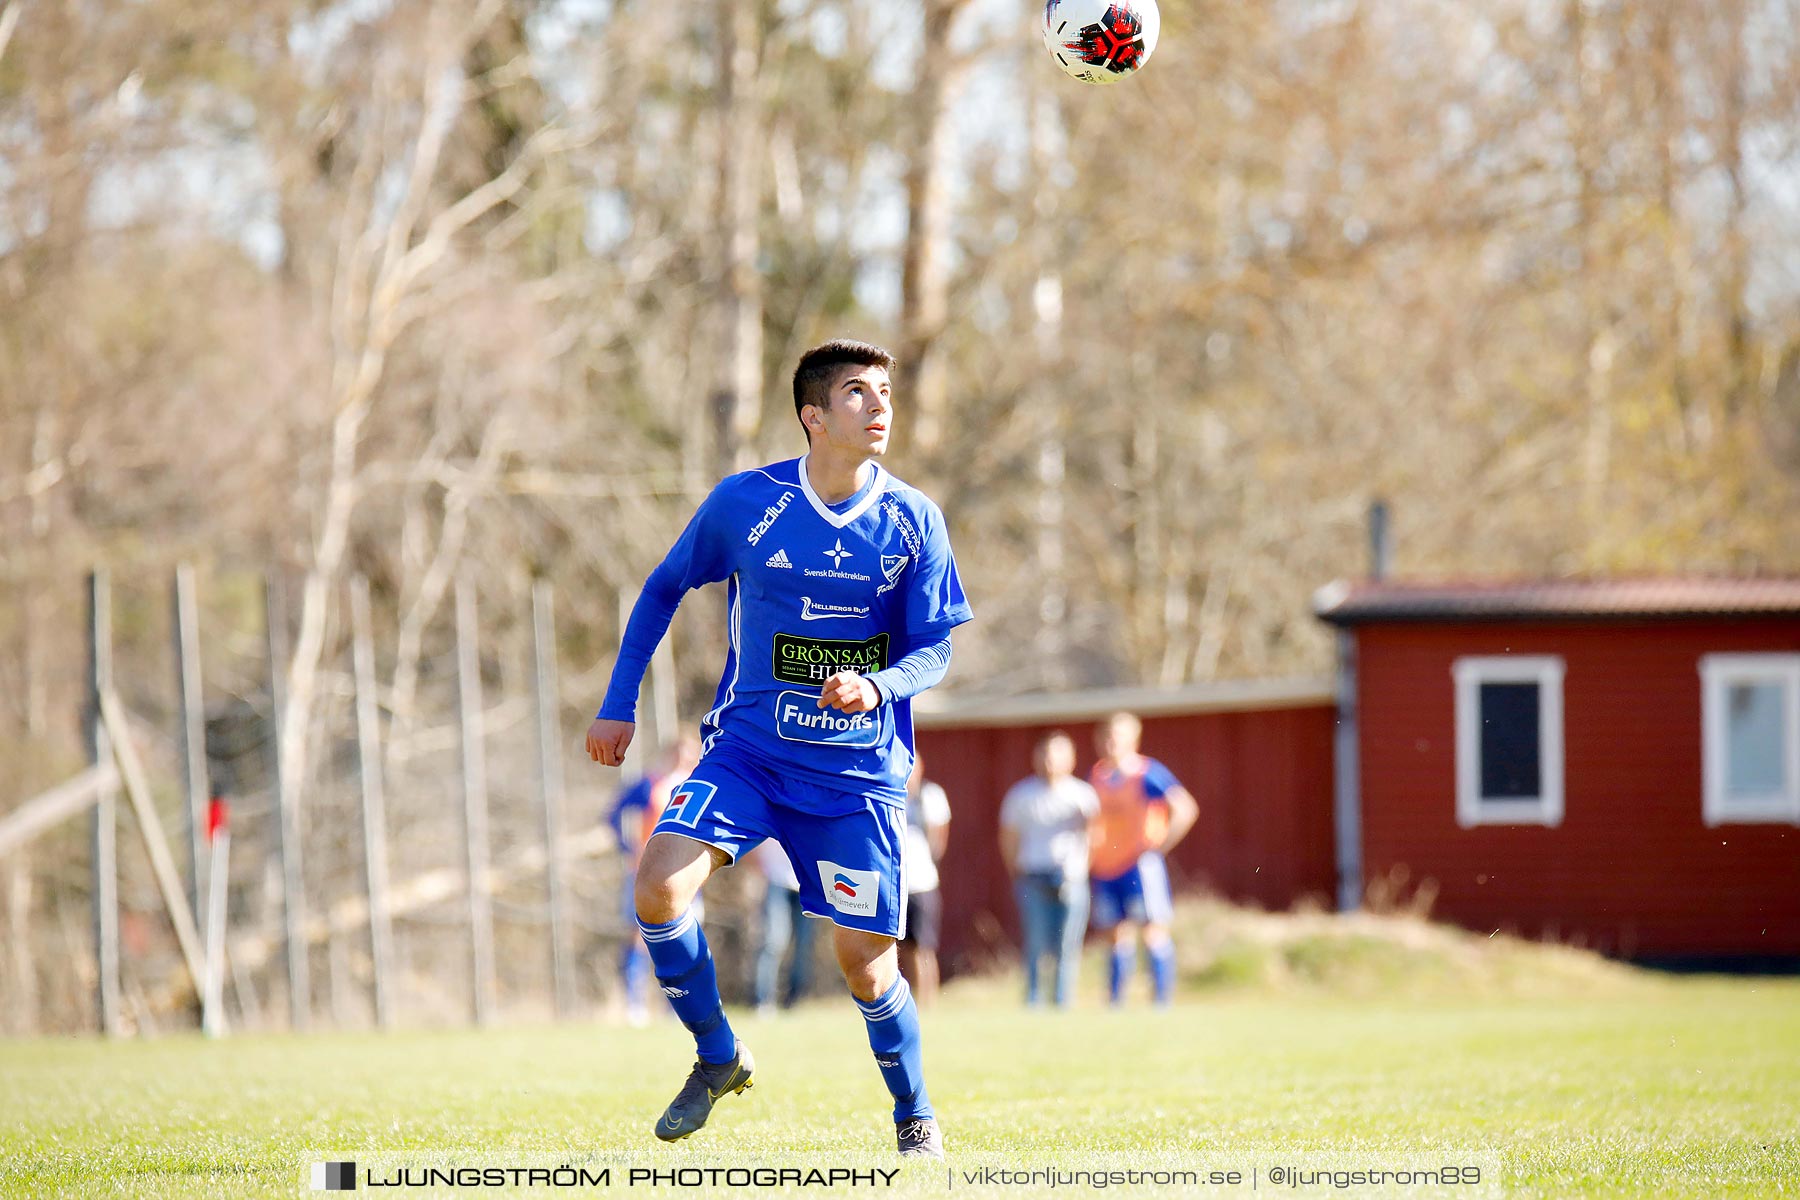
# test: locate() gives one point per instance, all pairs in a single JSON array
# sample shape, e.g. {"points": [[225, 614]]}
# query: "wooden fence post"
{"points": [[374, 798], [105, 820], [218, 876], [550, 782], [18, 940], [191, 739], [156, 845], [293, 893], [475, 803]]}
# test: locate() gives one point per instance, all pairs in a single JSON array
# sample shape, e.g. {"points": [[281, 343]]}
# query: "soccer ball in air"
{"points": [[1101, 41]]}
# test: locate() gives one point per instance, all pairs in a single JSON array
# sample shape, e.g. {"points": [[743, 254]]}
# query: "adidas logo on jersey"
{"points": [[780, 559]]}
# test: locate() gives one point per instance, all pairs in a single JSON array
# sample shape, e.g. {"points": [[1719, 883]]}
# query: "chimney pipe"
{"points": [[1381, 555]]}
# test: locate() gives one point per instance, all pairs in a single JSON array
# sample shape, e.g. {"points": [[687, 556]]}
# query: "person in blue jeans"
{"points": [[1044, 841], [784, 925]]}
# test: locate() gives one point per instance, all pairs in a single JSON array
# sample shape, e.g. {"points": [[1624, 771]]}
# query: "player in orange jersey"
{"points": [[1144, 812]]}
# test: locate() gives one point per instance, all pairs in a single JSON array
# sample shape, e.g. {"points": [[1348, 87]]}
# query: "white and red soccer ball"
{"points": [[1101, 41]]}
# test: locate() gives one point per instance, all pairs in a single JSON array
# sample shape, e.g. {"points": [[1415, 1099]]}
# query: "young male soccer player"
{"points": [[843, 592], [1144, 811]]}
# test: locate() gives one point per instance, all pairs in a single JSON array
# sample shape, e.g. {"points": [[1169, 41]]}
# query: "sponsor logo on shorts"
{"points": [[770, 515], [798, 718], [688, 803], [850, 891], [814, 660]]}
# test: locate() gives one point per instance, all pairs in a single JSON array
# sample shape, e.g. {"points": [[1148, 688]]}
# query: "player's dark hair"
{"points": [[819, 367]]}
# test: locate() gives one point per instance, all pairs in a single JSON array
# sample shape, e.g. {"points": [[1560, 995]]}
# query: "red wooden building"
{"points": [[1257, 756], [1613, 763]]}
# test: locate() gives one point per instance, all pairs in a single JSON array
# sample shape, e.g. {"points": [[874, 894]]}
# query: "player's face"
{"points": [[1118, 740], [861, 416]]}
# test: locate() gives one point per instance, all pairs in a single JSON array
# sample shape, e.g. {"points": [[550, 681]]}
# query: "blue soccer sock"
{"points": [[1162, 969], [893, 1022], [1124, 962], [684, 968]]}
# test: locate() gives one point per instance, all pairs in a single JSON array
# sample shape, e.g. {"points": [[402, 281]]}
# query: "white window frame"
{"points": [[1717, 673], [1470, 673]]}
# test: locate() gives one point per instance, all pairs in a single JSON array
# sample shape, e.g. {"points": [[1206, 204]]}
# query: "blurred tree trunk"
{"points": [[924, 275], [1147, 632], [1675, 298], [1733, 85], [386, 252], [46, 263], [1049, 402], [737, 405], [37, 600], [1587, 113]]}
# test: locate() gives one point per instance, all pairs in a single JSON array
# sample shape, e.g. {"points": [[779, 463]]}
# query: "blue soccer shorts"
{"points": [[1140, 894], [849, 865]]}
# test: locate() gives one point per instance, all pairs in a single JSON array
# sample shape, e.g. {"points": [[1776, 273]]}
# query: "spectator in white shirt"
{"points": [[927, 835], [1044, 842]]}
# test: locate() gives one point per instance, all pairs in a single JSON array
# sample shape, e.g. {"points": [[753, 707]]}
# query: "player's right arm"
{"points": [[701, 555], [1089, 801], [1009, 849], [608, 740], [1009, 830]]}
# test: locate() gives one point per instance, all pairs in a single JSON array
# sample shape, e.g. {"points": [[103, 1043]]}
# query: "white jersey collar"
{"points": [[839, 520]]}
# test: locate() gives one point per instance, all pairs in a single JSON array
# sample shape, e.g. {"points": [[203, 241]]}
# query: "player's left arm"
{"points": [[937, 820], [919, 669], [1184, 810]]}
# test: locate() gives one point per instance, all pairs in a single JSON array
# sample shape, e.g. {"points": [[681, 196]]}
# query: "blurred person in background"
{"points": [[1144, 812], [1044, 842], [783, 925], [633, 816], [927, 835]]}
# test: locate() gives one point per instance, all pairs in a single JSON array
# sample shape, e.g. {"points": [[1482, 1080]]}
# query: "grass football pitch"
{"points": [[1660, 1088]]}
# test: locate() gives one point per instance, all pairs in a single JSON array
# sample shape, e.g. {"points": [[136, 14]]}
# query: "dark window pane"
{"points": [[1509, 741]]}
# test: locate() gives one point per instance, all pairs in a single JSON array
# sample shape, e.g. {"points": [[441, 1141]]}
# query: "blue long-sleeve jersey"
{"points": [[868, 585]]}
